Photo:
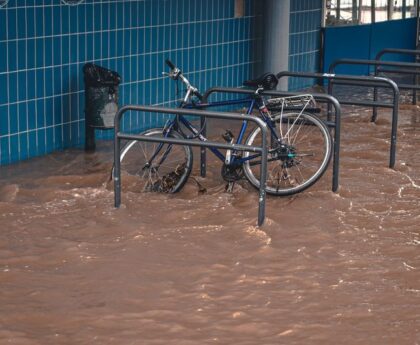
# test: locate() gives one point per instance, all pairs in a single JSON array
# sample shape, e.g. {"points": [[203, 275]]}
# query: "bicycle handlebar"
{"points": [[176, 74], [170, 64]]}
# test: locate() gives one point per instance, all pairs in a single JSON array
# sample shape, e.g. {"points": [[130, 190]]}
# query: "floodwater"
{"points": [[193, 268]]}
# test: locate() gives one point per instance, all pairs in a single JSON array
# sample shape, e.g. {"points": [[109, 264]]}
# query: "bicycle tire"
{"points": [[306, 136], [135, 154]]}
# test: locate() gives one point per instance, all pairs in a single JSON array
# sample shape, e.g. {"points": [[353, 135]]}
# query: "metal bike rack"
{"points": [[408, 68], [118, 135], [322, 98], [394, 51], [367, 81]]}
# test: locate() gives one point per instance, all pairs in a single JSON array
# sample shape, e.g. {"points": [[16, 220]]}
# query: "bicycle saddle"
{"points": [[268, 81]]}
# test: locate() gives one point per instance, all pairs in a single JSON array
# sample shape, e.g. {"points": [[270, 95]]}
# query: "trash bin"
{"points": [[101, 95]]}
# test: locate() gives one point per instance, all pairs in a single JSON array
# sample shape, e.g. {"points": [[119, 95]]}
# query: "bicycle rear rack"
{"points": [[118, 136]]}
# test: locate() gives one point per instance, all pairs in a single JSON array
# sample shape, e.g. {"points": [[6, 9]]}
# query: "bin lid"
{"points": [[95, 75]]}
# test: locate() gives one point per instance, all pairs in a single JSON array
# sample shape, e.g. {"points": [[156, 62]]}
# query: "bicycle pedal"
{"points": [[228, 136]]}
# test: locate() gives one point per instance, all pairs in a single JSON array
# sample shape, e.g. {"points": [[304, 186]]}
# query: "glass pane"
{"points": [[410, 10], [381, 10], [395, 11], [366, 12]]}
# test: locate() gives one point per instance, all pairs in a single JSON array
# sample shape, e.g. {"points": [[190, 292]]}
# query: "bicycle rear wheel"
{"points": [[298, 160], [159, 167]]}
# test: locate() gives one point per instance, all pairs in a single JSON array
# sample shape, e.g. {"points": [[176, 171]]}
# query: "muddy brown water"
{"points": [[193, 268]]}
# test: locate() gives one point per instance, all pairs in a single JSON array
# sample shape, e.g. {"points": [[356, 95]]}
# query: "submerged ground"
{"points": [[193, 268]]}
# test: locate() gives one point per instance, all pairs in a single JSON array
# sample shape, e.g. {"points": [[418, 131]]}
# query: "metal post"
{"points": [[203, 149], [354, 12], [263, 178], [394, 127], [338, 11], [373, 12], [117, 165], [404, 9], [375, 98], [360, 11], [390, 9]]}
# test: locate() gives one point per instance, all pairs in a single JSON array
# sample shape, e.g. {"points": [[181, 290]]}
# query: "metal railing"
{"points": [[118, 136], [415, 78], [366, 81], [322, 98]]}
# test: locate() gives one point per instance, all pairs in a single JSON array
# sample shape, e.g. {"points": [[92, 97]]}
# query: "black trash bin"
{"points": [[101, 100]]}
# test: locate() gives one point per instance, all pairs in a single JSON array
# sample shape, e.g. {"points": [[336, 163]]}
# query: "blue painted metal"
{"points": [[365, 41]]}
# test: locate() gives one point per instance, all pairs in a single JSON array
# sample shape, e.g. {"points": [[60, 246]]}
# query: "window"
{"points": [[348, 12]]}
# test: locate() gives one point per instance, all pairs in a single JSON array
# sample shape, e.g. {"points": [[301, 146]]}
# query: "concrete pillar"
{"points": [[276, 20]]}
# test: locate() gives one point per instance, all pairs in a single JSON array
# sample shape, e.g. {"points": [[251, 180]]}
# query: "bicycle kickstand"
{"points": [[229, 187]]}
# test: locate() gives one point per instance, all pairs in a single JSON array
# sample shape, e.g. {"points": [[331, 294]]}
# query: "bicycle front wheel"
{"points": [[295, 161], [159, 167]]}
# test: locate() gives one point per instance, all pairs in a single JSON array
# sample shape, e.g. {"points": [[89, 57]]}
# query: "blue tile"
{"points": [[57, 111], [3, 25], [58, 137], [31, 115], [4, 120], [64, 17], [23, 146], [3, 90], [40, 113], [4, 150], [33, 150], [11, 23], [49, 108], [56, 20], [50, 139], [22, 93], [13, 83], [74, 48], [67, 135], [22, 117], [39, 21], [14, 119], [12, 55], [41, 148], [89, 18], [65, 53]]}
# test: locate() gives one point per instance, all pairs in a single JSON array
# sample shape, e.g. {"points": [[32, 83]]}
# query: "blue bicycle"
{"points": [[300, 144]]}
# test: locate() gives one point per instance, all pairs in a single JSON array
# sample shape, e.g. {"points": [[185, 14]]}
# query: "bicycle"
{"points": [[299, 149]]}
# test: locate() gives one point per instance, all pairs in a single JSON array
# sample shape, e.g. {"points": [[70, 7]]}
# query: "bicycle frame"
{"points": [[252, 101]]}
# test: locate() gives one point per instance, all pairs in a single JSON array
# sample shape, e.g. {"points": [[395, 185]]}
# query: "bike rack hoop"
{"points": [[319, 97], [118, 136], [411, 52], [366, 81]]}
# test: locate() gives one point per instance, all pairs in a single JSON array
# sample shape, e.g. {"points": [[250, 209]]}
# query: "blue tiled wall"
{"points": [[45, 43], [304, 45]]}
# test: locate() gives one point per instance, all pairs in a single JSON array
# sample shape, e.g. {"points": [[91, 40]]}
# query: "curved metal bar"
{"points": [[397, 51], [338, 62], [367, 81], [411, 52], [319, 97], [179, 111]]}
